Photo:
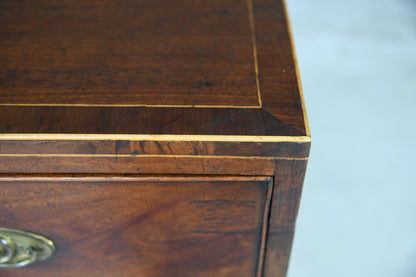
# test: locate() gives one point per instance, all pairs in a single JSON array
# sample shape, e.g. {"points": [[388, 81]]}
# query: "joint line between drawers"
{"points": [[265, 228]]}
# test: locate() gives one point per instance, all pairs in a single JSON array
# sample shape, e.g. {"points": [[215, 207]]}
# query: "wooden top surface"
{"points": [[107, 52], [184, 67]]}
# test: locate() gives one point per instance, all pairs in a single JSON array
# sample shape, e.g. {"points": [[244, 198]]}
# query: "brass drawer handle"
{"points": [[19, 248]]}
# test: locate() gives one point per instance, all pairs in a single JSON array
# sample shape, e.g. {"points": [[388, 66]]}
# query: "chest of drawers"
{"points": [[149, 138]]}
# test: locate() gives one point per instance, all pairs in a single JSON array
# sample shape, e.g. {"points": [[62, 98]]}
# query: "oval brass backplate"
{"points": [[19, 248]]}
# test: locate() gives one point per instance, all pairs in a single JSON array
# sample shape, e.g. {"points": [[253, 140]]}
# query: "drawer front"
{"points": [[141, 226]]}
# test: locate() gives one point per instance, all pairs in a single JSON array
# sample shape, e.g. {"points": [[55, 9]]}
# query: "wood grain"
{"points": [[128, 120], [140, 226], [288, 181], [189, 66], [142, 148], [279, 81], [142, 165], [127, 52], [278, 254], [147, 88]]}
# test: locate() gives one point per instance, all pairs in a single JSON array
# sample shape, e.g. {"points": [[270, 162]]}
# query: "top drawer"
{"points": [[130, 226]]}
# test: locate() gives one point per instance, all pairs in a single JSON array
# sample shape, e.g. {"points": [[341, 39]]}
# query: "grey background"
{"points": [[357, 61]]}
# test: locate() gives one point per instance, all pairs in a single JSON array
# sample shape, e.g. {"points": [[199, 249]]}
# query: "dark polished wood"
{"points": [[149, 120], [278, 70], [121, 90], [128, 52], [140, 226], [287, 191], [141, 165], [137, 148], [166, 53]]}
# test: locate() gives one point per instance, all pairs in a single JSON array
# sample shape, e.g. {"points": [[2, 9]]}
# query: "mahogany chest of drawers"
{"points": [[148, 138]]}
